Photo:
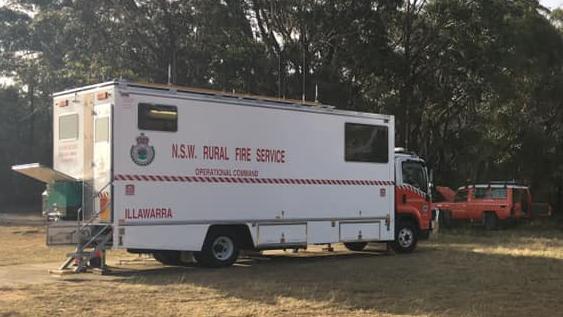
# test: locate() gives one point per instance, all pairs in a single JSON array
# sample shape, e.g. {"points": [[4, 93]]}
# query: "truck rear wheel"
{"points": [[355, 246], [406, 237], [167, 257], [219, 250], [490, 221]]}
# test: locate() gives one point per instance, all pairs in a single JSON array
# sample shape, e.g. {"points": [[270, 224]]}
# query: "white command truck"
{"points": [[164, 170]]}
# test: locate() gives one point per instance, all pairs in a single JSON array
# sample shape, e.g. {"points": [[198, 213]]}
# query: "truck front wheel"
{"points": [[406, 238], [219, 250]]}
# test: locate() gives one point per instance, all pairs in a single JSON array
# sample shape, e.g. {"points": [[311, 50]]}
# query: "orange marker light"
{"points": [[102, 95], [63, 103]]}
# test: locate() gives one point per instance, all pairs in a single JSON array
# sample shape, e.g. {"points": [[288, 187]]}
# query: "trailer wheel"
{"points": [[490, 221], [219, 250], [355, 246], [406, 237], [168, 257]]}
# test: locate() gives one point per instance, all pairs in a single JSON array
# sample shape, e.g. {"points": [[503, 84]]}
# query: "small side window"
{"points": [[68, 127], [102, 130], [366, 143], [498, 193], [157, 117]]}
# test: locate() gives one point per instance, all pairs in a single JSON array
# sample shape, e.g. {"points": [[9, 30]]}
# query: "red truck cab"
{"points": [[413, 201], [489, 204]]}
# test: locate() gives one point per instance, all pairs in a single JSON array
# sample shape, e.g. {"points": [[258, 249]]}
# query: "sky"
{"points": [[552, 4]]}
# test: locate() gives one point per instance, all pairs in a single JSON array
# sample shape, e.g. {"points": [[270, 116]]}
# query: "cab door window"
{"points": [[461, 196], [414, 174]]}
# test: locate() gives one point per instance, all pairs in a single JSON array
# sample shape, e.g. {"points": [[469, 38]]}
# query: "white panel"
{"points": [[168, 237], [359, 231], [313, 145], [322, 232], [282, 234]]}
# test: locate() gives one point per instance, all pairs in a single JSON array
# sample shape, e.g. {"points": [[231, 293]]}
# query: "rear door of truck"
{"points": [[101, 161]]}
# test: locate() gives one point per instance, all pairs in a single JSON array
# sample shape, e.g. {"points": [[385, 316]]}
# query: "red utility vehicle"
{"points": [[488, 203]]}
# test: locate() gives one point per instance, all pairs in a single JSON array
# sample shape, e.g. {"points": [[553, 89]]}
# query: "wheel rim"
{"points": [[223, 248], [405, 237]]}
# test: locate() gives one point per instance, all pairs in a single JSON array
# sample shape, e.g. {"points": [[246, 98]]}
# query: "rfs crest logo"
{"points": [[142, 153]]}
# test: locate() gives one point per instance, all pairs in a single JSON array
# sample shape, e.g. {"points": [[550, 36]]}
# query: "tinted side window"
{"points": [[498, 193], [482, 193], [158, 117], [366, 143], [489, 193]]}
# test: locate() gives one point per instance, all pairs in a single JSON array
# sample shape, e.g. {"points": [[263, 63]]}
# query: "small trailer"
{"points": [[168, 170]]}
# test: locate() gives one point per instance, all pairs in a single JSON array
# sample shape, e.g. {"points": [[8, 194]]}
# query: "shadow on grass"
{"points": [[436, 281]]}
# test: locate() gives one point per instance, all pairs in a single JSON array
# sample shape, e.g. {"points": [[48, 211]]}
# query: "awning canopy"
{"points": [[43, 173]]}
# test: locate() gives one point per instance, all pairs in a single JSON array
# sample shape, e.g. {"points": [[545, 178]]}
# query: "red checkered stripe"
{"points": [[243, 180], [412, 189]]}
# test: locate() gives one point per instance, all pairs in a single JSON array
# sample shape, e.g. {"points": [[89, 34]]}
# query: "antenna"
{"points": [[169, 74], [279, 74], [303, 70]]}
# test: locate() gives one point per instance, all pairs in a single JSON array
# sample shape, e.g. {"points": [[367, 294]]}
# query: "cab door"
{"points": [[459, 207], [101, 162], [413, 190]]}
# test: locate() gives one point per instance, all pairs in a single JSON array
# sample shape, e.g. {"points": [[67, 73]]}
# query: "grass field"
{"points": [[461, 272]]}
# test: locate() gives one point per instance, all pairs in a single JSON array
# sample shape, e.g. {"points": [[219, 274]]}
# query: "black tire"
{"points": [[445, 218], [168, 257], [406, 237], [220, 249], [355, 246], [490, 221]]}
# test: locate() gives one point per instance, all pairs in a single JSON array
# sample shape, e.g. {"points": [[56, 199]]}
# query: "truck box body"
{"points": [[163, 165]]}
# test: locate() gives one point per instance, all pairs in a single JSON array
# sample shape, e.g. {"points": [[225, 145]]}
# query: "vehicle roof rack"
{"points": [[402, 150], [506, 183]]}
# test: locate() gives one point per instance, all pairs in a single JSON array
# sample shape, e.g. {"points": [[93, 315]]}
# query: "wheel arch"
{"points": [[408, 217], [239, 232], [488, 211]]}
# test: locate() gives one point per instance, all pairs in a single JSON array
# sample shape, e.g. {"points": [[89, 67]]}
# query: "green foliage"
{"points": [[475, 85]]}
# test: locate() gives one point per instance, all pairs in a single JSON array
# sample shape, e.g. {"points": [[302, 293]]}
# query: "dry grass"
{"points": [[464, 272], [26, 245]]}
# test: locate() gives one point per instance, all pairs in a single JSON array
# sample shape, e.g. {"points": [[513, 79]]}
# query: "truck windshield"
{"points": [[414, 173]]}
